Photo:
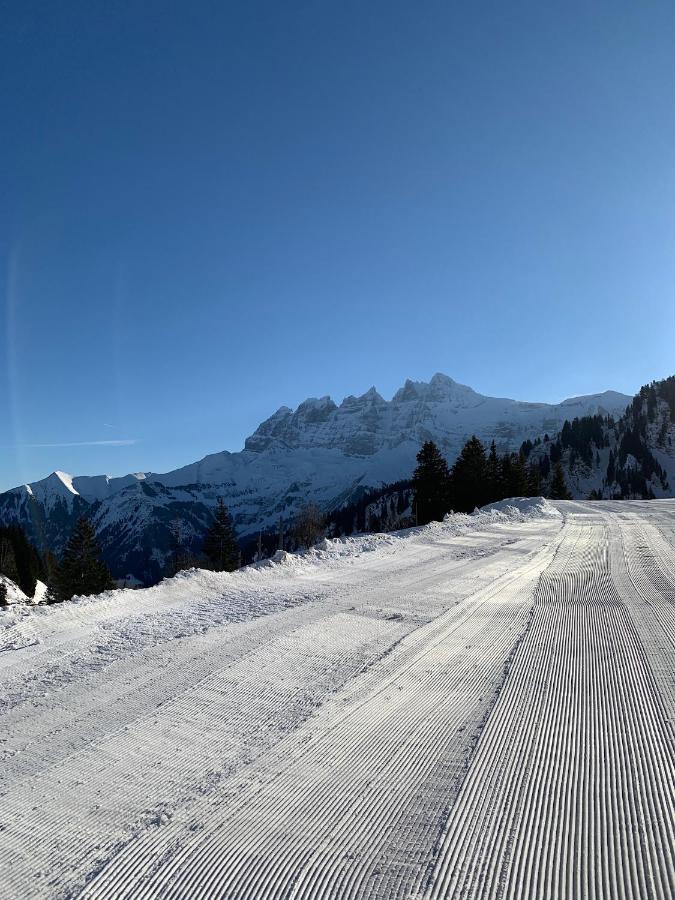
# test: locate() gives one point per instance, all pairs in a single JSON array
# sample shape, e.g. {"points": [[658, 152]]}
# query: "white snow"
{"points": [[323, 452], [14, 592], [478, 708], [67, 481]]}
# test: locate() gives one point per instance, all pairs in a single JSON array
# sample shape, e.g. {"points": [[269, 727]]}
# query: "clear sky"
{"points": [[208, 210]]}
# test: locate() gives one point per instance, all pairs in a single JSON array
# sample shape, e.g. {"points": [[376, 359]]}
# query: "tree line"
{"points": [[81, 571], [19, 560], [478, 477]]}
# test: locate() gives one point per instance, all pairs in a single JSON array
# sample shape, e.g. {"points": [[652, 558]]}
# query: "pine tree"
{"points": [[180, 557], [50, 565], [81, 571], [19, 560], [3, 594], [309, 526], [519, 485], [533, 481], [220, 543], [493, 476], [8, 566], [431, 482], [51, 568], [545, 467], [559, 490], [468, 482]]}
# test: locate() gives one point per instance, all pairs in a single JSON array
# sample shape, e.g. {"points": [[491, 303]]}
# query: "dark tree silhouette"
{"points": [[431, 484], [468, 484], [493, 476], [19, 560], [81, 572], [559, 489], [220, 543], [309, 526]]}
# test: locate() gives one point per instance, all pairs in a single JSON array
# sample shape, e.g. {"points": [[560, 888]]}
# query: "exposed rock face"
{"points": [[320, 452]]}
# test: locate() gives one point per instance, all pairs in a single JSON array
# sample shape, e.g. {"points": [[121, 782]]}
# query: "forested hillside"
{"points": [[629, 457]]}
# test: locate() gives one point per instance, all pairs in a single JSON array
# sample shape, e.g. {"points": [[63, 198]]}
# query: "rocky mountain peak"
{"points": [[319, 452]]}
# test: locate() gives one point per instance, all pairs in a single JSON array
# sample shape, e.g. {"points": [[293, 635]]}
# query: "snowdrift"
{"points": [[513, 510], [331, 551]]}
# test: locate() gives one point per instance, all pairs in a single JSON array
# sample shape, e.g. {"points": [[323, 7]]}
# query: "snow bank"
{"points": [[522, 509], [242, 588], [512, 511], [14, 593]]}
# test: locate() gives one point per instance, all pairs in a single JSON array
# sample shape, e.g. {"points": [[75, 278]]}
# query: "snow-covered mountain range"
{"points": [[320, 452]]}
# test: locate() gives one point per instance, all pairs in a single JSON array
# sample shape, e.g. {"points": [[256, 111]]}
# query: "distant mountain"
{"points": [[323, 452], [628, 457]]}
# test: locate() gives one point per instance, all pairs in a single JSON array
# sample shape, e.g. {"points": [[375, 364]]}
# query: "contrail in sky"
{"points": [[119, 443]]}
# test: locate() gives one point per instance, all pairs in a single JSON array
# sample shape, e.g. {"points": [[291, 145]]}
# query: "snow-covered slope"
{"points": [[320, 452], [14, 594], [632, 457], [481, 708]]}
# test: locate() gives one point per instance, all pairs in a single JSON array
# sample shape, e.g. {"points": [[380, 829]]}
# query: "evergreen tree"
{"points": [[533, 481], [51, 568], [516, 481], [507, 479], [81, 571], [19, 560], [181, 556], [545, 467], [555, 452], [468, 477], [3, 594], [559, 490], [220, 543], [493, 476], [309, 526], [8, 566], [431, 481]]}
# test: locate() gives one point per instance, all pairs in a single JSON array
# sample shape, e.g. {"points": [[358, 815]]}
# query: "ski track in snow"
{"points": [[479, 709]]}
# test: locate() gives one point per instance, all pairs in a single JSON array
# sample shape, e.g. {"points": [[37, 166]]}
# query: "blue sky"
{"points": [[213, 209]]}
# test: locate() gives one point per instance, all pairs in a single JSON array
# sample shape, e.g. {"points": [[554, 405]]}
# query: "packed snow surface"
{"points": [[477, 708]]}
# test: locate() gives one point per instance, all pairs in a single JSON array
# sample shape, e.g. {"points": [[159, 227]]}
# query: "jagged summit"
{"points": [[440, 388], [62, 480], [368, 424], [319, 451]]}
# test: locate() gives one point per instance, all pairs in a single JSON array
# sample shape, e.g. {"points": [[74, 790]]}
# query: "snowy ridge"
{"points": [[320, 452]]}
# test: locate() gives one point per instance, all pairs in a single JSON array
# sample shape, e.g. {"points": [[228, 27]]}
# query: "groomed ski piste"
{"points": [[480, 708]]}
